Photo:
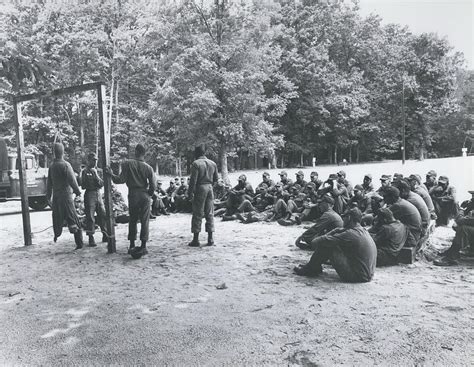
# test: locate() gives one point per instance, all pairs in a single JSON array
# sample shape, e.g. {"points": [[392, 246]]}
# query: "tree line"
{"points": [[281, 81]]}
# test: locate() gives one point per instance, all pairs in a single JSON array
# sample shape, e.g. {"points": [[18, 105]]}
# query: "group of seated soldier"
{"points": [[172, 200], [374, 224]]}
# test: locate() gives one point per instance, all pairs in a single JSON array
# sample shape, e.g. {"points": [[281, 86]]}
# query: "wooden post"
{"points": [[25, 210], [105, 162]]}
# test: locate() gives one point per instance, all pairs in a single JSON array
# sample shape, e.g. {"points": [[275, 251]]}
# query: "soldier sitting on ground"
{"points": [[328, 220], [300, 179], [444, 200], [415, 185], [364, 203], [314, 178], [418, 202], [285, 181], [406, 213], [160, 200], [367, 186], [170, 196], [221, 194], [464, 238], [267, 181], [351, 250], [431, 181], [183, 204], [242, 191], [390, 237]]}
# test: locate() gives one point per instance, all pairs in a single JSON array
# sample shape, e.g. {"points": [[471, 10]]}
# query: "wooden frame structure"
{"points": [[104, 142]]}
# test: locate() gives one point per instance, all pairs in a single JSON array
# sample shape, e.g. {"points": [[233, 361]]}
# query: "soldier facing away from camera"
{"points": [[200, 193], [140, 180]]}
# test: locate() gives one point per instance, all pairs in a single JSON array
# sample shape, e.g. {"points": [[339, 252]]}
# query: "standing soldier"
{"points": [[91, 182], [200, 193], [61, 183], [140, 180]]}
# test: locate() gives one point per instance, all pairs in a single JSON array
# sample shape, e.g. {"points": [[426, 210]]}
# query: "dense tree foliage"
{"points": [[285, 80]]}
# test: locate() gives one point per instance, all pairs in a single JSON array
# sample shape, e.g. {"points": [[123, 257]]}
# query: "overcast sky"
{"points": [[449, 18]]}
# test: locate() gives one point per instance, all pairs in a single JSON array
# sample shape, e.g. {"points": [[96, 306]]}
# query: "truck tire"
{"points": [[38, 202]]}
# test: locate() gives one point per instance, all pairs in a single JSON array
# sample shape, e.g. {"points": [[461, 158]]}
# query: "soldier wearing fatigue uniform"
{"points": [[431, 181], [415, 185], [285, 181], [444, 200], [300, 179], [267, 181], [351, 249], [203, 177], [61, 184], [314, 178], [140, 180], [92, 183], [324, 224]]}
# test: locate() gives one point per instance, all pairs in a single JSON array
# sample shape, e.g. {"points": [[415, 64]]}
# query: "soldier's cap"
{"points": [[341, 174], [283, 173], [397, 176], [385, 177], [332, 176], [391, 191], [172, 181], [368, 175], [314, 173], [358, 188], [159, 182], [92, 155], [431, 173], [443, 179], [176, 178], [299, 173], [354, 213], [266, 174], [326, 199], [414, 178], [402, 185], [242, 177]]}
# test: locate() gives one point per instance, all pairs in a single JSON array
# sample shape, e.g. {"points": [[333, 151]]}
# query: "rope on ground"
{"points": [[32, 233]]}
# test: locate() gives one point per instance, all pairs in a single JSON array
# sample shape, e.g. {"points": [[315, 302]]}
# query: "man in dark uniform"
{"points": [[324, 224], [241, 192], [351, 249], [415, 185], [367, 186], [314, 178], [444, 200], [203, 177], [389, 237], [60, 185], [285, 181], [417, 201], [140, 180], [431, 180], [181, 197], [406, 213], [300, 179], [267, 181], [341, 179], [170, 196], [158, 206], [92, 183]]}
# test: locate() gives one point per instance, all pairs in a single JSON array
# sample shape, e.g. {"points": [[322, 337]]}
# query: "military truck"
{"points": [[36, 178]]}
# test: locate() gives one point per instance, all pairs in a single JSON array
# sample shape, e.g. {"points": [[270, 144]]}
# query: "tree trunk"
{"points": [[301, 159], [357, 153], [335, 154], [274, 160], [330, 155], [282, 160], [256, 160], [157, 168], [422, 151], [223, 164], [350, 153]]}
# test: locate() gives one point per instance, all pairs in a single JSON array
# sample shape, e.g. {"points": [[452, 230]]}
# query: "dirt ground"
{"points": [[64, 307]]}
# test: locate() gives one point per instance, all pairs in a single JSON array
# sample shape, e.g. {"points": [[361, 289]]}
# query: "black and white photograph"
{"points": [[236, 183]]}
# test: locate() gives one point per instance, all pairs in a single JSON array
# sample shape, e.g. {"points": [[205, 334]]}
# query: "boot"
{"points": [[195, 241], [104, 238], [143, 248], [78, 239], [132, 246], [210, 240], [92, 241]]}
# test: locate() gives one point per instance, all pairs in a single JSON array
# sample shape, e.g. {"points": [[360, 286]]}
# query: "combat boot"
{"points": [[92, 241], [78, 239]]}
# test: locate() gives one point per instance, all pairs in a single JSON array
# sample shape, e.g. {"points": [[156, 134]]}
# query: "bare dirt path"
{"points": [[65, 307]]}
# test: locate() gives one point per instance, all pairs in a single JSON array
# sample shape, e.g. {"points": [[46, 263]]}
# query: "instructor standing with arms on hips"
{"points": [[203, 176]]}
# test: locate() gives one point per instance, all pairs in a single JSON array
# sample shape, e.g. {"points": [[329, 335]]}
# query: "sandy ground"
{"points": [[65, 307]]}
